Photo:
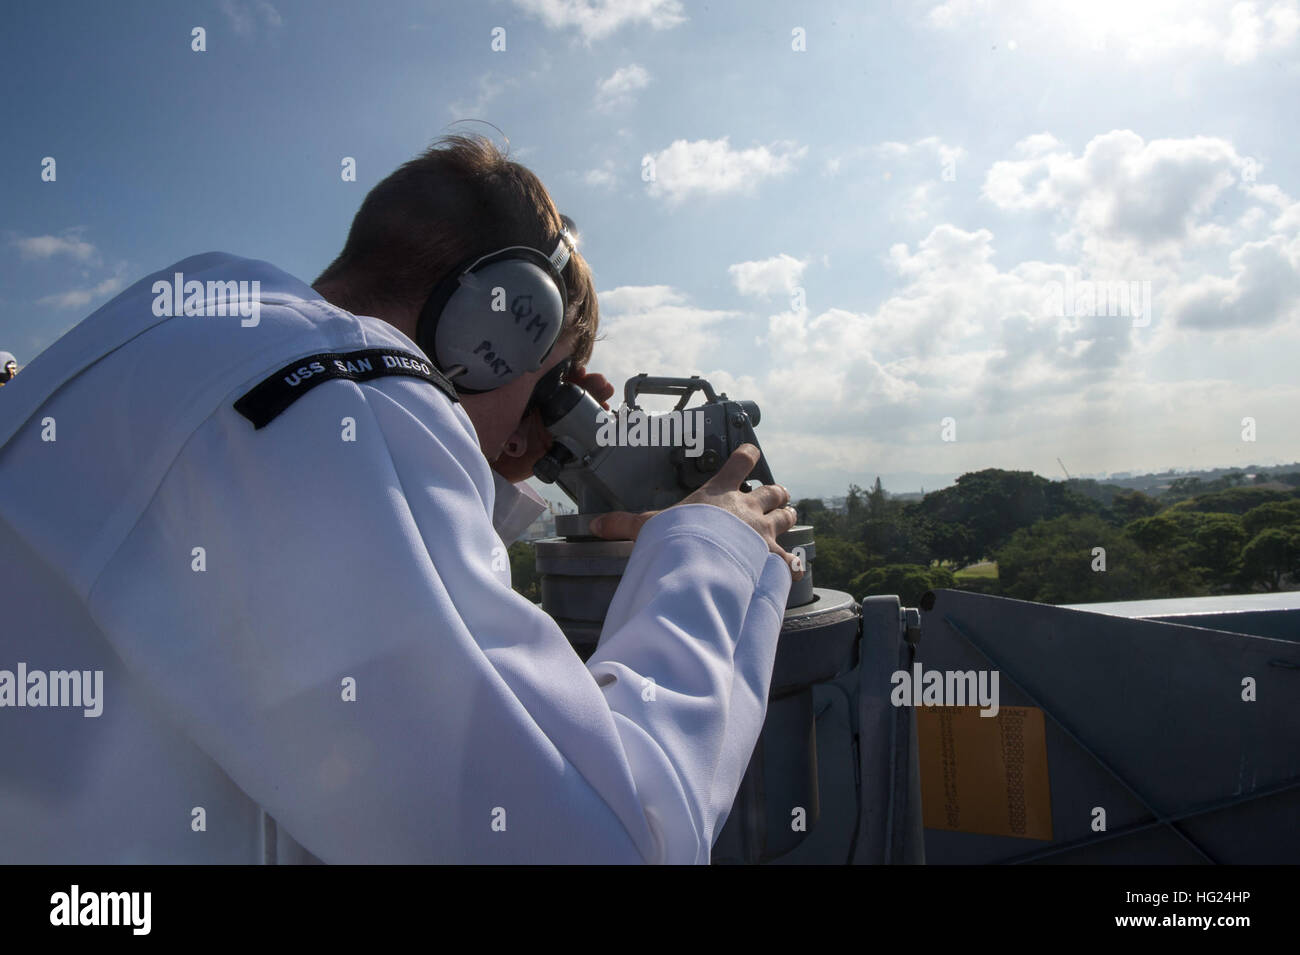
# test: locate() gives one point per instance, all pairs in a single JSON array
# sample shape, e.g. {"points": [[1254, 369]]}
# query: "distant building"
{"points": [[544, 526]]}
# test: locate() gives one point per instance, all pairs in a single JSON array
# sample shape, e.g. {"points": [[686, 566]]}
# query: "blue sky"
{"points": [[855, 216]]}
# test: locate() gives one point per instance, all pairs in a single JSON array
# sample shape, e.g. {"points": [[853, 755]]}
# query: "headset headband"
{"points": [[558, 259]]}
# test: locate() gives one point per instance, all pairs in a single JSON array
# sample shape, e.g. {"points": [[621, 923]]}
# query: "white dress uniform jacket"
{"points": [[306, 635]]}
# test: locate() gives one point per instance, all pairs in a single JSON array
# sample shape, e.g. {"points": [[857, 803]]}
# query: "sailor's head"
{"points": [[8, 366], [461, 199]]}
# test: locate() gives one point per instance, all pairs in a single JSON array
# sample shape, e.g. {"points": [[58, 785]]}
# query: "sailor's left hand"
{"points": [[596, 384]]}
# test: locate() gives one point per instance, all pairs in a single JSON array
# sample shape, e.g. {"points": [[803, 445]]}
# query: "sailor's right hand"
{"points": [[766, 509]]}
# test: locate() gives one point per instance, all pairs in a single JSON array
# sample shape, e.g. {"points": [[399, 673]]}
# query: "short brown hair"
{"points": [[459, 199]]}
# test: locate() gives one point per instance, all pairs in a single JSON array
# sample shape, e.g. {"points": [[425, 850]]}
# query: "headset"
{"points": [[496, 316]]}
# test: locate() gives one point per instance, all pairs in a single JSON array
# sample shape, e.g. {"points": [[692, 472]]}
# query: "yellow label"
{"points": [[985, 774]]}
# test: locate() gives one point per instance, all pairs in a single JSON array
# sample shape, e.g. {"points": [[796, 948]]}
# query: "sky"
{"points": [[925, 237]]}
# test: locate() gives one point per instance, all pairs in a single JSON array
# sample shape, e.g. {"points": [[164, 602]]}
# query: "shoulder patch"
{"points": [[263, 403]]}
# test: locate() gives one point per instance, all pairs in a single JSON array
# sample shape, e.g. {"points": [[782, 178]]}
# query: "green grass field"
{"points": [[986, 568]]}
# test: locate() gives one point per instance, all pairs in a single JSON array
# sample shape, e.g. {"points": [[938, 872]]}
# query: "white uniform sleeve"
{"points": [[331, 620], [517, 506]]}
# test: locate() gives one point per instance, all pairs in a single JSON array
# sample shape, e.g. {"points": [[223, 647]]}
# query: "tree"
{"points": [[1103, 494], [1272, 514], [1184, 487], [523, 570], [1164, 531], [1169, 549], [808, 507], [900, 537], [1218, 539], [1273, 554], [1055, 561], [836, 562], [1129, 506], [813, 511], [876, 501], [992, 504], [1235, 500], [908, 581], [855, 512], [951, 542]]}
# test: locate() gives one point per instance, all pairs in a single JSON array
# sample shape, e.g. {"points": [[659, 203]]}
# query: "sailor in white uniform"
{"points": [[257, 609]]}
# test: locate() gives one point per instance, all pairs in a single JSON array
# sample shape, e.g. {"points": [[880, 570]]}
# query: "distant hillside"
{"points": [[1160, 482]]}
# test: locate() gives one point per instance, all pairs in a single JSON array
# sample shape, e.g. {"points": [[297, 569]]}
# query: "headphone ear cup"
{"points": [[426, 327], [500, 322]]}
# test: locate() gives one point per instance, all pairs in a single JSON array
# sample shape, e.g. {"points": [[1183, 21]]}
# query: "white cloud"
{"points": [[1289, 220], [957, 333], [48, 246], [947, 249], [764, 278], [1264, 289], [488, 88], [595, 19], [615, 91], [846, 392], [943, 155], [639, 298], [244, 16], [916, 173], [1238, 33], [602, 177], [655, 329], [1038, 144], [960, 336], [844, 372], [944, 152], [929, 154], [75, 298], [712, 167], [1270, 194], [952, 13], [920, 202], [1155, 195], [1250, 33], [853, 389], [892, 150]]}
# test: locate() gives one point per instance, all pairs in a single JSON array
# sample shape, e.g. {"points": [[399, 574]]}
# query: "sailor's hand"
{"points": [[766, 509], [596, 384]]}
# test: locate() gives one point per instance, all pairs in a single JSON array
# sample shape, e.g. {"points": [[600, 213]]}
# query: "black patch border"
{"points": [[265, 401]]}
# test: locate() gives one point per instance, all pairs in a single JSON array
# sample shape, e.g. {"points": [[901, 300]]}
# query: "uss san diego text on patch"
{"points": [[264, 402]]}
